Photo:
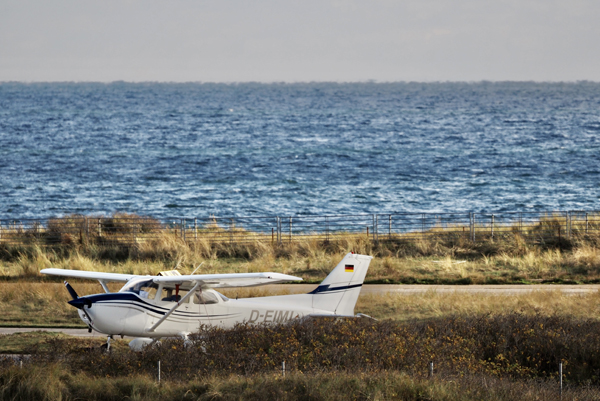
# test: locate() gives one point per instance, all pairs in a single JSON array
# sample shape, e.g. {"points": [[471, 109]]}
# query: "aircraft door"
{"points": [[211, 309]]}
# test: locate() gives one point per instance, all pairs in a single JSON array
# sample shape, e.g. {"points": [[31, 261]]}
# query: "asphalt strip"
{"points": [[71, 332], [512, 289]]}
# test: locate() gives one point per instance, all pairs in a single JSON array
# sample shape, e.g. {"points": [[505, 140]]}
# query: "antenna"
{"points": [[197, 268]]}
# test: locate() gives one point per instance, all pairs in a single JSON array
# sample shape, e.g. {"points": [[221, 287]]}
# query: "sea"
{"points": [[284, 149]]}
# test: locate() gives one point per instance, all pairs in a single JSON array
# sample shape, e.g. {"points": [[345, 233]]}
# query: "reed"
{"points": [[520, 255]]}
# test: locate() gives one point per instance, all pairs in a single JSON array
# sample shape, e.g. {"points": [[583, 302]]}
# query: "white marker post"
{"points": [[560, 374]]}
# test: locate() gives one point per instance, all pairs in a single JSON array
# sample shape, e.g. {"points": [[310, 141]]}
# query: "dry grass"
{"points": [[41, 304], [313, 264], [428, 305], [422, 260], [53, 382]]}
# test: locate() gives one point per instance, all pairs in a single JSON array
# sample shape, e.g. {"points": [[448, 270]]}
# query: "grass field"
{"points": [[53, 383], [545, 325], [522, 254], [430, 263], [45, 304], [501, 357]]}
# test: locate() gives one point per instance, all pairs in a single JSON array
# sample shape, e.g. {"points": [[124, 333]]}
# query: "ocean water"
{"points": [[195, 150]]}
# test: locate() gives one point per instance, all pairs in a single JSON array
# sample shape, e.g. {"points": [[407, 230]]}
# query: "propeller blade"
{"points": [[71, 291]]}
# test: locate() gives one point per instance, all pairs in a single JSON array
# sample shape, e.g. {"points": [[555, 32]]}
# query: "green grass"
{"points": [[23, 343]]}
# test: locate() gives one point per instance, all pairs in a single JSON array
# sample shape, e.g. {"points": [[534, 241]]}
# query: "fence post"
{"points": [[492, 226], [278, 221], [569, 219], [470, 226], [560, 374], [390, 228], [431, 369], [195, 228], [586, 222], [473, 227], [290, 230], [99, 227], [326, 230], [159, 371], [133, 227], [375, 222], [283, 368]]}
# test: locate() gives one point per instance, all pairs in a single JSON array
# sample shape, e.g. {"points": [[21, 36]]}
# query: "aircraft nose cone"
{"points": [[80, 302]]}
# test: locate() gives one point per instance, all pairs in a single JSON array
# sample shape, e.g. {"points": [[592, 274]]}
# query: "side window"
{"points": [[149, 291], [205, 298]]}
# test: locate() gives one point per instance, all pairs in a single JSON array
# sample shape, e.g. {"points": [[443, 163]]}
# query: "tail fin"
{"points": [[339, 291]]}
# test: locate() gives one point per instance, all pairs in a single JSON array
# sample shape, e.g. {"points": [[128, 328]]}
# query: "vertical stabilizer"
{"points": [[339, 291]]}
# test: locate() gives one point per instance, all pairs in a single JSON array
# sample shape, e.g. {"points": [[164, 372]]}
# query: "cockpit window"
{"points": [[145, 289]]}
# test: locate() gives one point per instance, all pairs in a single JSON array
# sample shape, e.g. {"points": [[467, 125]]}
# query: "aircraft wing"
{"points": [[228, 280], [106, 277]]}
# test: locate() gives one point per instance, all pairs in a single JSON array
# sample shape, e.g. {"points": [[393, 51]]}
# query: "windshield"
{"points": [[144, 288]]}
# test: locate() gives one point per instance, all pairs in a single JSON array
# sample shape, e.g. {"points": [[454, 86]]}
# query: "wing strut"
{"points": [[185, 298], [104, 286]]}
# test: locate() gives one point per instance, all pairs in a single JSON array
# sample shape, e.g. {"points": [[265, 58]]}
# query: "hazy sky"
{"points": [[289, 40]]}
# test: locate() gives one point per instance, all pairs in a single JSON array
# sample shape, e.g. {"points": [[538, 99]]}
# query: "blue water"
{"points": [[195, 150]]}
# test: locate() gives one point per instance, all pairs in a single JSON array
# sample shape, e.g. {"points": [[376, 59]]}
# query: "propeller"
{"points": [[71, 291], [78, 302]]}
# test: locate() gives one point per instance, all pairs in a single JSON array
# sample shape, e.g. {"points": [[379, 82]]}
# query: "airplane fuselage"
{"points": [[128, 314]]}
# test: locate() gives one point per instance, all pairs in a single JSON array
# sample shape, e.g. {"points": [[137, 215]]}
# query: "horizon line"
{"points": [[368, 81]]}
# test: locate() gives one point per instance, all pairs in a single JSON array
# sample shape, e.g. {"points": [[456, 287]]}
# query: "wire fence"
{"points": [[128, 230]]}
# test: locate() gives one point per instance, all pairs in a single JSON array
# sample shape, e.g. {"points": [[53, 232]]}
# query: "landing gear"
{"points": [[106, 347]]}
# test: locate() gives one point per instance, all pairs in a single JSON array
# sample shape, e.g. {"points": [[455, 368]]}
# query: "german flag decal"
{"points": [[349, 268]]}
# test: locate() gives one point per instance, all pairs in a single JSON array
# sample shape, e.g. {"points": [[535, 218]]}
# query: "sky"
{"points": [[299, 41]]}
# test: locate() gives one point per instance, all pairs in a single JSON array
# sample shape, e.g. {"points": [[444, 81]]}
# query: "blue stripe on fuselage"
{"points": [[128, 299], [327, 288]]}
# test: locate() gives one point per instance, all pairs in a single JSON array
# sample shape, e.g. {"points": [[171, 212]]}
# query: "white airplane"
{"points": [[152, 307]]}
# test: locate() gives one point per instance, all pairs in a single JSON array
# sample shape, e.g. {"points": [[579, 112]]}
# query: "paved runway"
{"points": [[71, 332], [474, 288]]}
